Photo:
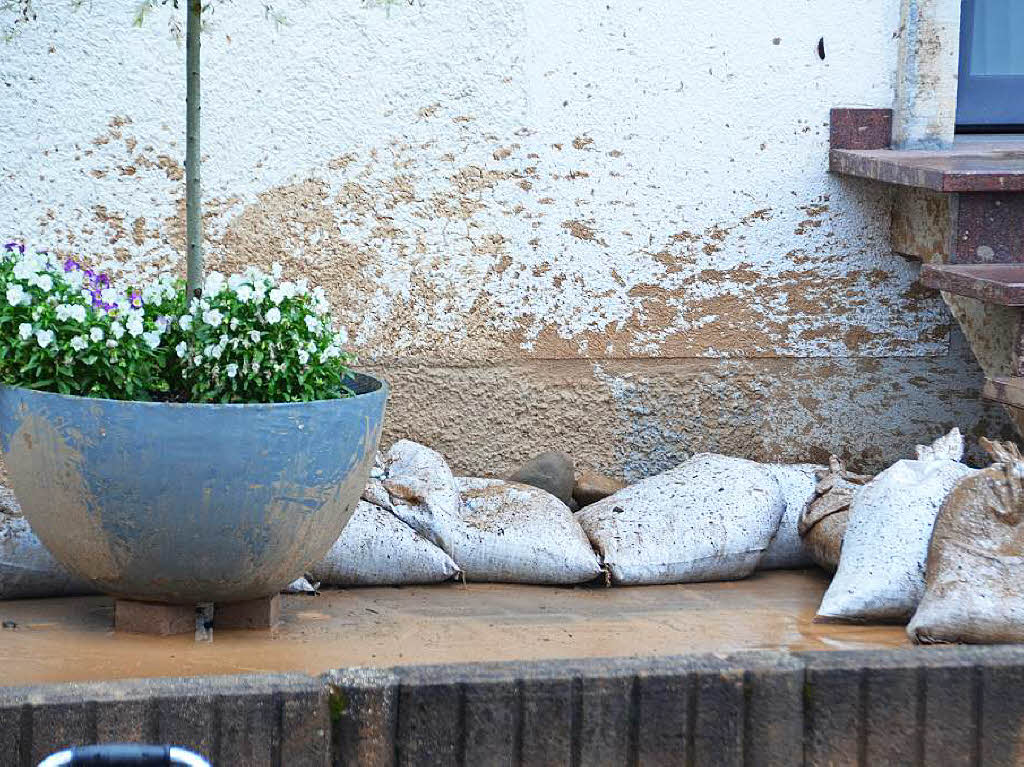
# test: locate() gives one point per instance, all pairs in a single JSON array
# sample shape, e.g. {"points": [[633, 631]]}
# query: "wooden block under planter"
{"points": [[154, 617], [264, 613]]}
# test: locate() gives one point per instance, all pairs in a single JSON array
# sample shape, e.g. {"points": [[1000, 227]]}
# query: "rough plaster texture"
{"points": [[599, 227], [926, 84]]}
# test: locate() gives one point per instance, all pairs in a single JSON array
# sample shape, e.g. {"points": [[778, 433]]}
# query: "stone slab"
{"points": [[153, 618]]}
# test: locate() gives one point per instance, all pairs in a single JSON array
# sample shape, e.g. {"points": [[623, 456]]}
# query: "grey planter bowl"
{"points": [[189, 503]]}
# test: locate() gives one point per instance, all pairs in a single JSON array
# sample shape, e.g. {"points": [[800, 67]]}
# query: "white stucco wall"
{"points": [[485, 182]]}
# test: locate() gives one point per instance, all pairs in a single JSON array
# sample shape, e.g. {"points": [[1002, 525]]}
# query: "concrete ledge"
{"points": [[926, 706], [252, 720]]}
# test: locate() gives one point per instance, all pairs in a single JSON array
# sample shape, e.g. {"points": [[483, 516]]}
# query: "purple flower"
{"points": [[136, 299], [10, 247], [103, 280], [70, 265]]}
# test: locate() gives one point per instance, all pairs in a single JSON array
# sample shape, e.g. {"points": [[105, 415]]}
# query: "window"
{"points": [[991, 88]]}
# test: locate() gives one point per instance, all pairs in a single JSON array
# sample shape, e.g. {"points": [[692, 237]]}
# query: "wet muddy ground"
{"points": [[72, 639]]}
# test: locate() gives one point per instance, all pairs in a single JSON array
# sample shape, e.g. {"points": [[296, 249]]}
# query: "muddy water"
{"points": [[72, 640]]}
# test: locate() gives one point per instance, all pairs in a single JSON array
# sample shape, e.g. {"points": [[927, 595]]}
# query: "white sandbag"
{"points": [[881, 569], [709, 519], [974, 577], [513, 533], [28, 570], [378, 549], [422, 491], [786, 550]]}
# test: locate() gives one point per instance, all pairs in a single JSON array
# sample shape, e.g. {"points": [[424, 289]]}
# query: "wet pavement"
{"points": [[60, 640]]}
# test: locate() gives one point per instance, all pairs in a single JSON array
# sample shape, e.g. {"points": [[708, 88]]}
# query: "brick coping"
{"points": [[938, 705]]}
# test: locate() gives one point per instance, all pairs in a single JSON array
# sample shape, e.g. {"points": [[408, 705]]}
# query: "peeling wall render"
{"points": [[497, 191]]}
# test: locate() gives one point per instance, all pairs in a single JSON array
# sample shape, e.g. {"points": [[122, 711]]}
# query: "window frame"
{"points": [[989, 104]]}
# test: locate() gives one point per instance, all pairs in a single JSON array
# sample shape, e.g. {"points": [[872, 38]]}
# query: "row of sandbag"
{"points": [[939, 544], [712, 518]]}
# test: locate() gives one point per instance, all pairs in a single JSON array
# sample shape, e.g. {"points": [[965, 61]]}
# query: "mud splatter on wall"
{"points": [[497, 193]]}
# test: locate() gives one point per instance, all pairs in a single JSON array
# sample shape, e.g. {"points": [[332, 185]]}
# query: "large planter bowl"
{"points": [[189, 503]]}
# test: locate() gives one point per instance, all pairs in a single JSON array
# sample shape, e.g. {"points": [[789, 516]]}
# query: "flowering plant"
{"points": [[67, 329], [250, 338]]}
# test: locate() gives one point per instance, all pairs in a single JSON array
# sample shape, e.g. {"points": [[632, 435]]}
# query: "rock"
{"points": [[592, 487], [823, 523], [553, 472]]}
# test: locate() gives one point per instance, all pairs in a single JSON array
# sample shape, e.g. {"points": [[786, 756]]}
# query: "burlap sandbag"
{"points": [[513, 533], [417, 486], [709, 519], [787, 551], [974, 578], [376, 548], [823, 521], [881, 571]]}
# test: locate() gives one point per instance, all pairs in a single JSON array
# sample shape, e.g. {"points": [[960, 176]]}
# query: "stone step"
{"points": [[993, 283], [1007, 390]]}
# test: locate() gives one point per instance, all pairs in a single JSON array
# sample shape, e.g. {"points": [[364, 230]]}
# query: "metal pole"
{"points": [[193, 159]]}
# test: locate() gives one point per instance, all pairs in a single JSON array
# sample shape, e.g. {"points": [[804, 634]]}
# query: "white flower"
{"points": [[244, 293], [288, 289], [45, 282], [152, 339], [78, 313], [275, 270], [75, 279], [25, 330], [233, 324], [111, 343], [303, 356], [15, 295], [96, 334], [274, 315], [235, 280], [255, 335], [63, 312], [197, 360], [44, 338], [135, 327], [181, 349], [24, 270], [342, 337], [312, 324], [109, 296], [213, 317], [302, 286], [214, 284], [78, 343], [231, 370], [185, 322], [276, 296], [117, 329]]}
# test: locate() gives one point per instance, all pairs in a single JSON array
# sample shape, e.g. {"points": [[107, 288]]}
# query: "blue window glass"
{"points": [[991, 88]]}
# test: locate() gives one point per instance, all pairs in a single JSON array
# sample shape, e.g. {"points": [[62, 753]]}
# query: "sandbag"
{"points": [[28, 570], [786, 550], [378, 549], [881, 570], [974, 578], [421, 490], [514, 533], [709, 519], [823, 523]]}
